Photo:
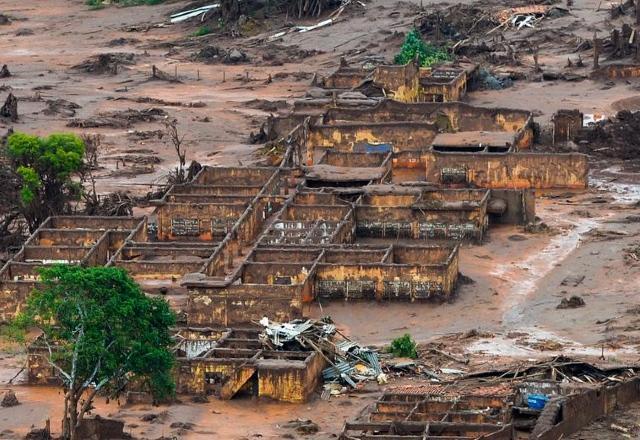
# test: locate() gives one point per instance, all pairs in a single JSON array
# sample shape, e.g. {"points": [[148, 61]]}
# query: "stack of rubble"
{"points": [[349, 362]]}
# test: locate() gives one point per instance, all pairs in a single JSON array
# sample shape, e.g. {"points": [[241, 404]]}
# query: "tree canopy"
{"points": [[46, 166], [102, 332]]}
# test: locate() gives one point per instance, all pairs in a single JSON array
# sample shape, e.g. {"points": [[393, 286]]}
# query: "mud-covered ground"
{"points": [[590, 248]]}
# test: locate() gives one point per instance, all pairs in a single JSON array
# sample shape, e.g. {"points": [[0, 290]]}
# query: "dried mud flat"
{"points": [[509, 312]]}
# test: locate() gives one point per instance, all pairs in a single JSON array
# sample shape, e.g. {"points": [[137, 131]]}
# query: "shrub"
{"points": [[404, 346], [427, 54], [201, 31]]}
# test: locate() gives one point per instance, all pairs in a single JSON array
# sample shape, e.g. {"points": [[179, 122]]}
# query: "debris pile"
{"points": [[4, 72], [617, 138], [120, 119], [112, 204], [302, 426], [278, 54], [632, 254], [526, 16], [561, 369], [158, 101], [489, 81], [122, 42], [60, 107], [214, 54], [572, 303], [349, 362], [456, 22], [106, 63]]}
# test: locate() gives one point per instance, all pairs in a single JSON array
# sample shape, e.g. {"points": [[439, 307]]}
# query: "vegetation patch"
{"points": [[415, 47], [404, 346], [202, 31]]}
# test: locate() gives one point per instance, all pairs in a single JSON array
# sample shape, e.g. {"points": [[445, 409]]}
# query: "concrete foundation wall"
{"points": [[284, 376], [242, 304], [617, 71], [419, 224], [435, 278], [581, 409], [234, 175], [513, 170], [392, 77], [355, 137], [205, 221]]}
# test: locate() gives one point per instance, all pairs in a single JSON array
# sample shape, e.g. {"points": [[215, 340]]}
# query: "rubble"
{"points": [[122, 42], [632, 254], [276, 54], [572, 303], [535, 400], [158, 101], [106, 63], [112, 205], [60, 107], [302, 426], [349, 363], [615, 138], [214, 54], [377, 186], [120, 119]]}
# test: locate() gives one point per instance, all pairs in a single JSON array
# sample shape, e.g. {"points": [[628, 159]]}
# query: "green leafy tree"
{"points": [[101, 333], [414, 46], [404, 346], [46, 166]]}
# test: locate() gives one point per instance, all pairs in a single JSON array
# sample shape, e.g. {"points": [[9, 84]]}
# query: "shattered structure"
{"points": [[550, 400], [241, 243], [407, 83], [225, 363], [369, 201]]}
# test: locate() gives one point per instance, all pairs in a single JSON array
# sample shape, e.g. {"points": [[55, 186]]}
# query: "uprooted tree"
{"points": [[101, 333], [46, 167]]}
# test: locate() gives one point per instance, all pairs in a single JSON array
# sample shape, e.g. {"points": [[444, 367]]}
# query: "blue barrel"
{"points": [[537, 401]]}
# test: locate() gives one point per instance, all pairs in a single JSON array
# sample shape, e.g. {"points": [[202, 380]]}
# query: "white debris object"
{"points": [[192, 13]]}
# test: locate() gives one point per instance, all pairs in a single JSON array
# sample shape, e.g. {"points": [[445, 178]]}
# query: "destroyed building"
{"points": [[406, 82], [370, 201], [547, 400]]}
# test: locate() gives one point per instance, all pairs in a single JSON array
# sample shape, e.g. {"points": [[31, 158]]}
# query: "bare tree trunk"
{"points": [[65, 417], [72, 414]]}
